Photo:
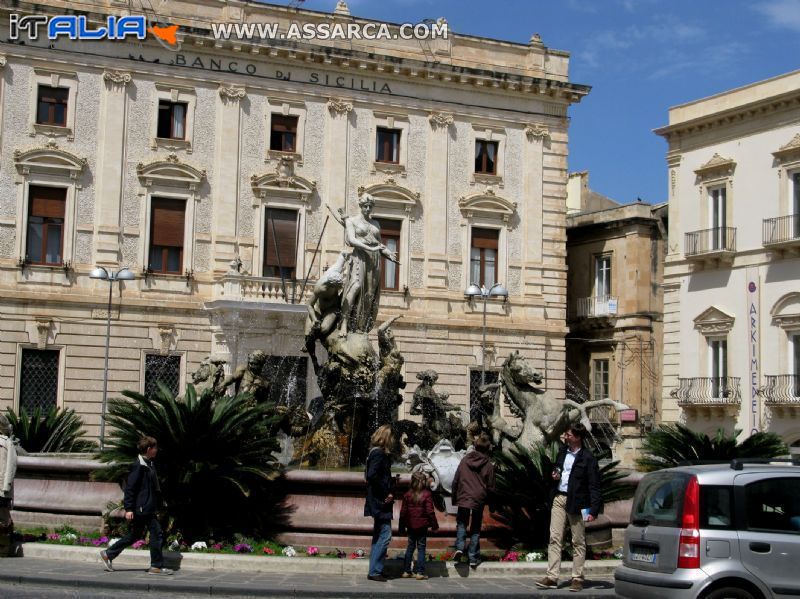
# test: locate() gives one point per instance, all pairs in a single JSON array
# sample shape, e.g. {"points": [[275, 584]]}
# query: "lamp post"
{"points": [[123, 274], [473, 292]]}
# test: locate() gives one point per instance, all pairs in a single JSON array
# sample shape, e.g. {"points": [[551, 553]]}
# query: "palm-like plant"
{"points": [[524, 485], [57, 431], [215, 462], [672, 444]]}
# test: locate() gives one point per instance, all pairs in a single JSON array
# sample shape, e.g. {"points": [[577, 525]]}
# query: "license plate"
{"points": [[646, 557]]}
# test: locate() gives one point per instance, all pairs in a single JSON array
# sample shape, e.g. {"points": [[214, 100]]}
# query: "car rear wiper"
{"points": [[641, 522]]}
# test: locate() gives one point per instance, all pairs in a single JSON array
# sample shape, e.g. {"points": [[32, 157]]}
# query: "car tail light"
{"points": [[689, 547]]}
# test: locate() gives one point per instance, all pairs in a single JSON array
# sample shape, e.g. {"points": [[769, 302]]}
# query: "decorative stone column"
{"points": [[110, 166], [436, 193], [226, 187]]}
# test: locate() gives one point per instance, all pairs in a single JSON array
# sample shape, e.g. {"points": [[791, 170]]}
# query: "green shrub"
{"points": [[672, 444], [57, 431], [215, 462]]}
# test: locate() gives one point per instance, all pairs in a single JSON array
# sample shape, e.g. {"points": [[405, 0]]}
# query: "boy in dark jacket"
{"points": [[473, 484], [142, 501]]}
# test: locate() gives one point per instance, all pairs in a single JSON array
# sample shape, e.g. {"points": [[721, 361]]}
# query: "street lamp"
{"points": [[123, 274], [473, 292]]}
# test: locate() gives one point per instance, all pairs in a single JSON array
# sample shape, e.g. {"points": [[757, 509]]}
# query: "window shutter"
{"points": [[167, 222], [47, 202], [485, 238], [285, 233]]}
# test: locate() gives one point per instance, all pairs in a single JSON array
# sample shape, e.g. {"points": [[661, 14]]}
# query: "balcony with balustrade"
{"points": [[781, 392], [782, 234], [717, 245], [599, 306], [716, 394]]}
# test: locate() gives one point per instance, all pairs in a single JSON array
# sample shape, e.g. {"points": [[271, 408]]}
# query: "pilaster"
{"points": [[110, 161], [226, 188], [436, 194]]}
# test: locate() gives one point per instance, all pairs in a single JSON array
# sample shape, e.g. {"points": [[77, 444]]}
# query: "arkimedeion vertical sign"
{"points": [[753, 316]]}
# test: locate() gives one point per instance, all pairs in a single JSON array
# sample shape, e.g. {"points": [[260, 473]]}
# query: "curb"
{"points": [[289, 565]]}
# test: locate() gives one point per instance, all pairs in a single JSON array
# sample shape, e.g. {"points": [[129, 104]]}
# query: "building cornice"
{"points": [[733, 116], [431, 69]]}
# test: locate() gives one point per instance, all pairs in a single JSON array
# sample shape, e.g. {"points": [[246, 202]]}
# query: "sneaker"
{"points": [[577, 585], [406, 575], [421, 577], [457, 555], [475, 563], [378, 578], [106, 562], [547, 583], [161, 571]]}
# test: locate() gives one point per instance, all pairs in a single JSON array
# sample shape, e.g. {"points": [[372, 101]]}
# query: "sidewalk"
{"points": [[208, 574]]}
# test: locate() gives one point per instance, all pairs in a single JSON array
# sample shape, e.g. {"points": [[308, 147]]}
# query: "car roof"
{"points": [[722, 473]]}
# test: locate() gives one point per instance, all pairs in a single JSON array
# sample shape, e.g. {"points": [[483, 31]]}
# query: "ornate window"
{"points": [[164, 369], [483, 257], [171, 189], [173, 118], [167, 225], [280, 242], [600, 379], [390, 237], [45, 231], [286, 125], [281, 205], [52, 103], [38, 379], [283, 133], [395, 208], [488, 156], [485, 157], [714, 233], [387, 145], [46, 204], [51, 106], [391, 137]]}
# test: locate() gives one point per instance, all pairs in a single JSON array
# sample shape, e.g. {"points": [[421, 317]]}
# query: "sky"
{"points": [[640, 56]]}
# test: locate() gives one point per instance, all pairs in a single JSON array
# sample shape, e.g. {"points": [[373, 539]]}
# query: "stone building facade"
{"points": [[615, 259], [213, 168], [732, 272]]}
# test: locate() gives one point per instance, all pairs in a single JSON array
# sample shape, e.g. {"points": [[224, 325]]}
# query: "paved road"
{"points": [[31, 578]]}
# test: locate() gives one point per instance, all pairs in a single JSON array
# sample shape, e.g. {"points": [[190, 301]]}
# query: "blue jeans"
{"points": [[135, 532], [416, 540], [472, 518], [381, 537]]}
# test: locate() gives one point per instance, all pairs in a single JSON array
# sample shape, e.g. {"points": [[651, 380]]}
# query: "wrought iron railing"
{"points": [[781, 229], [597, 306], [710, 241], [781, 389], [708, 391]]}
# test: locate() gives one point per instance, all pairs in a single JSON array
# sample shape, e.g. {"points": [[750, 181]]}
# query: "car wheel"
{"points": [[729, 593]]}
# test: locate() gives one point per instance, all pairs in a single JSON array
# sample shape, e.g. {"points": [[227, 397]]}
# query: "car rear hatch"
{"points": [[653, 539]]}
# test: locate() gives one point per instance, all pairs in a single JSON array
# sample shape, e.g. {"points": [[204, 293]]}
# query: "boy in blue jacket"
{"points": [[142, 501]]}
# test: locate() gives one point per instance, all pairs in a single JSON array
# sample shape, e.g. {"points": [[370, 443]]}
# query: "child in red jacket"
{"points": [[417, 515]]}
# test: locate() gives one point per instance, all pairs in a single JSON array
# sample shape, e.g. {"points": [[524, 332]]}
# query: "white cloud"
{"points": [[781, 13]]}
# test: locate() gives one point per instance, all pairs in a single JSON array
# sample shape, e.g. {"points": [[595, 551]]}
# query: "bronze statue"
{"points": [[208, 375], [324, 308], [248, 378]]}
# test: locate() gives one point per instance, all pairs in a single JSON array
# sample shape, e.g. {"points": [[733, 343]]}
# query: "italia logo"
{"points": [[76, 27]]}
